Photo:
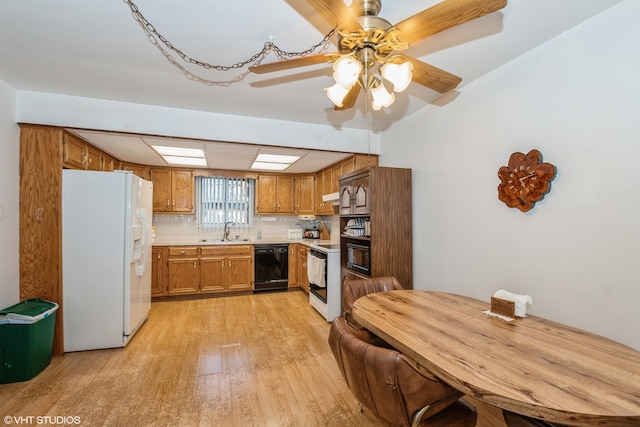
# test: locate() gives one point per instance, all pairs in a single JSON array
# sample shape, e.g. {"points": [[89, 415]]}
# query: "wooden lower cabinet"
{"points": [[196, 270], [293, 264], [158, 258], [301, 267], [226, 268], [182, 269]]}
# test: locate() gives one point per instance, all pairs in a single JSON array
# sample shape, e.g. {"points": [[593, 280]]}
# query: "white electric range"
{"points": [[325, 296]]}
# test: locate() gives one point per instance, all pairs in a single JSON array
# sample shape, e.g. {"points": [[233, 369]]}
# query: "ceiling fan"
{"points": [[368, 46]]}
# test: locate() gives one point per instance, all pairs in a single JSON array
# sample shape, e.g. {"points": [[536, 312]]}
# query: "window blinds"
{"points": [[220, 200]]}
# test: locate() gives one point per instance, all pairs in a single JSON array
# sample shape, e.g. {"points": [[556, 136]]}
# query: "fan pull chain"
{"points": [[269, 46]]}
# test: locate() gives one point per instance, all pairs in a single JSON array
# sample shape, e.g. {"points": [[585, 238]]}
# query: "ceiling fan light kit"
{"points": [[381, 98], [399, 75], [366, 46], [371, 41]]}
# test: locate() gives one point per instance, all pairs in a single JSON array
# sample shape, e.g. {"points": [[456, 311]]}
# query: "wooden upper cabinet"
{"points": [[275, 194], [355, 196], [74, 152], [305, 195], [285, 193], [182, 191], [323, 186], [141, 170], [336, 172], [172, 190], [109, 163], [93, 158]]}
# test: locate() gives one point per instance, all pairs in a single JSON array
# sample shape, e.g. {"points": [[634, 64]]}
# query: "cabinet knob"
{"points": [[168, 203]]}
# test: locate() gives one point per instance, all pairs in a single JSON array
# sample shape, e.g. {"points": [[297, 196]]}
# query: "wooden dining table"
{"points": [[530, 365]]}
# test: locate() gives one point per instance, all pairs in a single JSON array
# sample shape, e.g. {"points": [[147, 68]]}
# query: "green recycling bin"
{"points": [[26, 339]]}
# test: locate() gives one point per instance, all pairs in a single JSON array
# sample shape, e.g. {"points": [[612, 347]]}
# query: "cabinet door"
{"points": [[349, 165], [305, 194], [73, 152], [183, 276], [266, 194], [285, 194], [183, 273], [345, 198], [240, 273], [93, 158], [336, 173], [140, 170], [360, 200], [181, 191], [157, 271], [108, 163], [303, 278], [293, 263], [323, 186], [213, 274], [161, 179]]}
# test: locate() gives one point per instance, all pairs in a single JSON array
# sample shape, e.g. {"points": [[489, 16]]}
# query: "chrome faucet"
{"points": [[225, 235]]}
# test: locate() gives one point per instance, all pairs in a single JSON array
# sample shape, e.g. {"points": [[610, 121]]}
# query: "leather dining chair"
{"points": [[516, 420], [352, 289], [389, 384]]}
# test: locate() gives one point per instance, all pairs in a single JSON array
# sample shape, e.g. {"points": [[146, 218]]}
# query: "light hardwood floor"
{"points": [[250, 360]]}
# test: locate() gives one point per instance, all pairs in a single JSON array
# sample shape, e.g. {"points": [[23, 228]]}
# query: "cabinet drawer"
{"points": [[183, 252], [229, 250]]}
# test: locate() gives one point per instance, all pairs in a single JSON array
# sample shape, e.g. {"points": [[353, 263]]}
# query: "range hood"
{"points": [[333, 198]]}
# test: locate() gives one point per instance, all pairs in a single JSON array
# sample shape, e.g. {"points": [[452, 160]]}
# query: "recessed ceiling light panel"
{"points": [[186, 161], [276, 158], [269, 166], [178, 151]]}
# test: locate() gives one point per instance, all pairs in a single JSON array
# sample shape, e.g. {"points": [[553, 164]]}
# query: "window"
{"points": [[220, 200]]}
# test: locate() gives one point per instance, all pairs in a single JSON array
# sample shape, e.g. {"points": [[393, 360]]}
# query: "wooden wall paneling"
{"points": [[391, 222], [41, 219]]}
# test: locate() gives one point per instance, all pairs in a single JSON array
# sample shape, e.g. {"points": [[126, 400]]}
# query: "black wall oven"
{"points": [[271, 267]]}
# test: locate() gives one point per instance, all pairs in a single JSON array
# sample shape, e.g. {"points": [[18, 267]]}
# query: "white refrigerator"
{"points": [[106, 257]]}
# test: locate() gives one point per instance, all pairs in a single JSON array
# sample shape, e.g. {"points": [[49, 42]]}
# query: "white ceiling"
{"points": [[96, 49]]}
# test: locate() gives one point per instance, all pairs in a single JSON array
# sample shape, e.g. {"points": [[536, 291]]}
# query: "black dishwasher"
{"points": [[271, 267]]}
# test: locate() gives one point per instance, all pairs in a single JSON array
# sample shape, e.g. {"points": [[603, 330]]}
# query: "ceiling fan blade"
{"points": [[336, 13], [350, 99], [445, 15], [294, 63], [433, 77]]}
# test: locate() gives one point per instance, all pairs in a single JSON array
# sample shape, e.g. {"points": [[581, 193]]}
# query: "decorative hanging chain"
{"points": [[256, 58]]}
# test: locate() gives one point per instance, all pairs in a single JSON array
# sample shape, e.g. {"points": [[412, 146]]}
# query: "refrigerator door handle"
{"points": [[146, 243]]}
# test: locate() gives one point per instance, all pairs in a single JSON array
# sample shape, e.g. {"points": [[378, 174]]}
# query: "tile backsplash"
{"points": [[184, 228]]}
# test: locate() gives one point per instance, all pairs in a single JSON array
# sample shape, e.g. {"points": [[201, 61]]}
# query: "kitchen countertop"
{"points": [[176, 242]]}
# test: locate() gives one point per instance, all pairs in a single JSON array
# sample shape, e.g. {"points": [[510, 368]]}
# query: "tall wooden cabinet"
{"points": [[381, 198]]}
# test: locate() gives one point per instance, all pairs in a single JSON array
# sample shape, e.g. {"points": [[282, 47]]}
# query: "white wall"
{"points": [[89, 113], [576, 99], [9, 190]]}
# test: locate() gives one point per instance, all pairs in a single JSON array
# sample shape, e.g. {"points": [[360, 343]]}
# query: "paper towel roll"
{"points": [[520, 300]]}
